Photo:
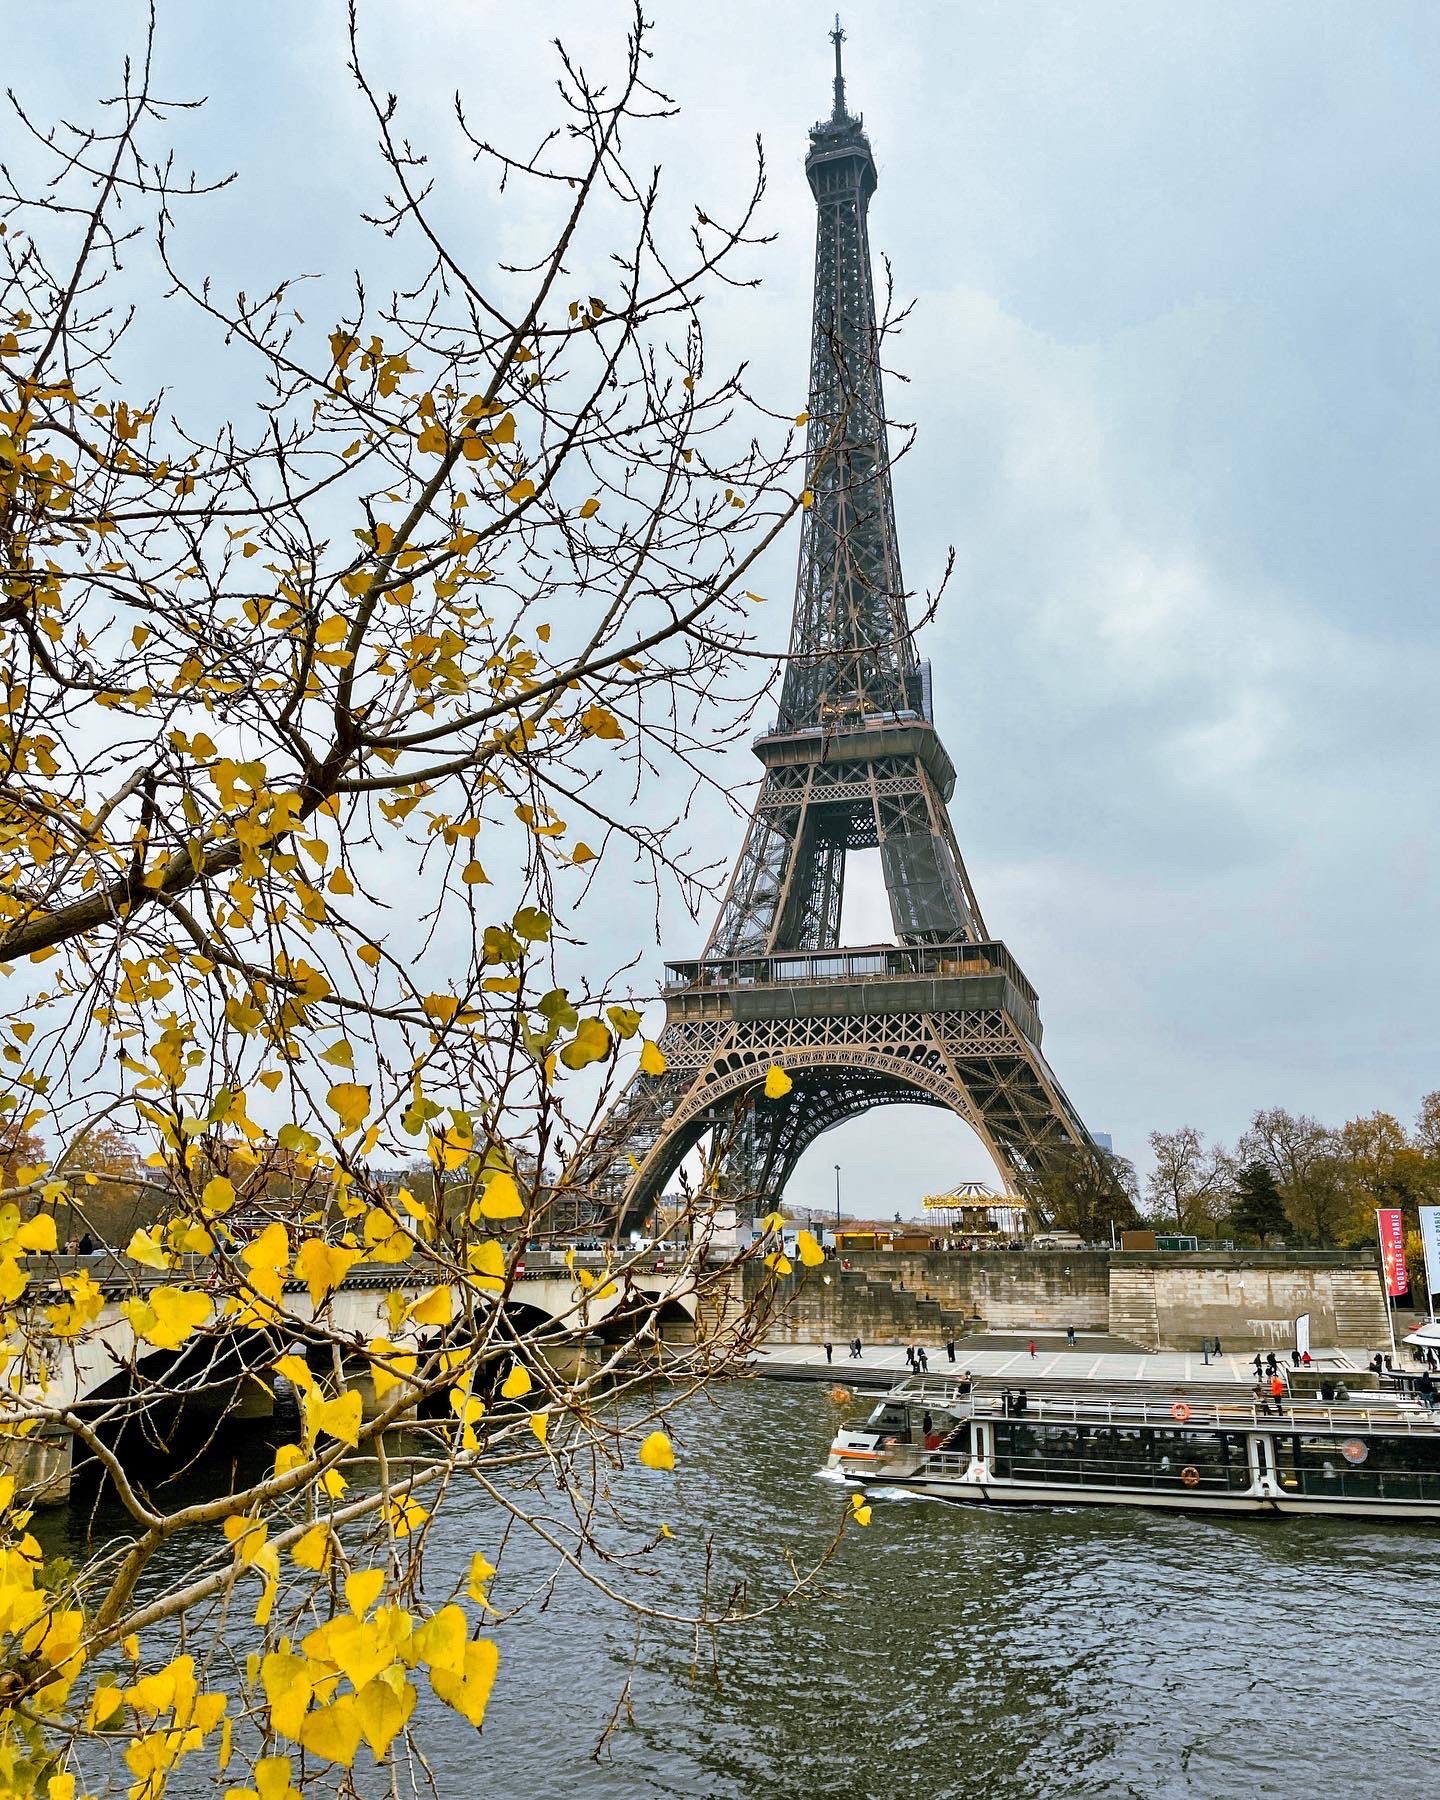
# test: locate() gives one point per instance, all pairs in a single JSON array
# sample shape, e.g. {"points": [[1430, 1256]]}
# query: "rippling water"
{"points": [[951, 1652]]}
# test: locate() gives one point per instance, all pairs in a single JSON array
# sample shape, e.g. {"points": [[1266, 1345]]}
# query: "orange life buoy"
{"points": [[1190, 1476], [1179, 1410]]}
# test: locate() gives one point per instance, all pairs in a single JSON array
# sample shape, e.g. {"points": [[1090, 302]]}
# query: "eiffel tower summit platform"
{"points": [[943, 1015]]}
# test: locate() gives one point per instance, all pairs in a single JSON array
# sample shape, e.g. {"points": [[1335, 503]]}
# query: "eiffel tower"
{"points": [[942, 1016]]}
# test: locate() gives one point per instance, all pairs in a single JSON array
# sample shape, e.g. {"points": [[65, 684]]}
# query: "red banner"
{"points": [[1392, 1249]]}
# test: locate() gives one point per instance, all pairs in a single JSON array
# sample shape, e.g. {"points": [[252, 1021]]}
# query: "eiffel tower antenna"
{"points": [[943, 1015]]}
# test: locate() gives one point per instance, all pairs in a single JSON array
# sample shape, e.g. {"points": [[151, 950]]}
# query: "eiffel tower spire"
{"points": [[837, 38], [943, 1016]]}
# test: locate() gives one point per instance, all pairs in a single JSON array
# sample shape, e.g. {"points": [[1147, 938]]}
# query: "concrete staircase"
{"points": [[1360, 1321], [1133, 1313]]}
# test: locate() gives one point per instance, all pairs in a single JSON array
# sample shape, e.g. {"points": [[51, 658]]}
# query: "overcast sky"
{"points": [[1173, 363]]}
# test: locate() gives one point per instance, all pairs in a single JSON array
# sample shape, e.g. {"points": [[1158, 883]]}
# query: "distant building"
{"points": [[1103, 1141]]}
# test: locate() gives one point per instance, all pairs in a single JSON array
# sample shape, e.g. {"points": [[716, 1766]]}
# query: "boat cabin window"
{"points": [[1120, 1456], [891, 1417], [1363, 1467]]}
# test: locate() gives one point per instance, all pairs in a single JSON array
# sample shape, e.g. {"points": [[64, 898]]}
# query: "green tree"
{"points": [[1257, 1210]]}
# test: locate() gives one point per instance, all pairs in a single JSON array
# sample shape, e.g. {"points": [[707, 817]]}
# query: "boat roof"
{"points": [[1214, 1404]]}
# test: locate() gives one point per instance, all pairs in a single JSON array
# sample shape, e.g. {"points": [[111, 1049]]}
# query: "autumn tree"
{"points": [[1188, 1181], [1303, 1156], [318, 726]]}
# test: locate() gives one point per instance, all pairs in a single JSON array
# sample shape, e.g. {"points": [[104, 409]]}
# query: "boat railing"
{"points": [[1165, 1410]]}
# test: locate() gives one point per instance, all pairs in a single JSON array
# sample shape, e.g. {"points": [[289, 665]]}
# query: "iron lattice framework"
{"points": [[853, 762]]}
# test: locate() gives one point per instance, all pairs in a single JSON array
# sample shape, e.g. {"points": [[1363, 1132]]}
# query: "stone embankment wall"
{"points": [[1154, 1300]]}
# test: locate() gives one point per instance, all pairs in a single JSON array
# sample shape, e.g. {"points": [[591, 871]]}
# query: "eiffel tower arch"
{"points": [[943, 1016]]}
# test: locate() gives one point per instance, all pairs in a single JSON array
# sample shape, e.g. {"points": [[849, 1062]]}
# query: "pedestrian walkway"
{"points": [[807, 1361]]}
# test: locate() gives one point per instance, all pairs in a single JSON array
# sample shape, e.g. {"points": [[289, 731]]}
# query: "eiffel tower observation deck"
{"points": [[943, 1016]]}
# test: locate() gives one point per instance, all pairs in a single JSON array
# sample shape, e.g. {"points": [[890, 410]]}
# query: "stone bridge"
{"points": [[166, 1402]]}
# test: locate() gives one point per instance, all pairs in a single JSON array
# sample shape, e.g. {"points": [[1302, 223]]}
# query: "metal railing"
{"points": [[881, 962]]}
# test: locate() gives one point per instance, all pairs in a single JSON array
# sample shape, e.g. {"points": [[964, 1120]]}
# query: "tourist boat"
{"points": [[1372, 1457]]}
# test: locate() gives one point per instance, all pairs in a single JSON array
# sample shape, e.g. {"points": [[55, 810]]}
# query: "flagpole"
{"points": [[1385, 1283]]}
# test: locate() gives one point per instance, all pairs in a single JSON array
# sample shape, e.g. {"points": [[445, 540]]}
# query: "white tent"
{"points": [[1427, 1336]]}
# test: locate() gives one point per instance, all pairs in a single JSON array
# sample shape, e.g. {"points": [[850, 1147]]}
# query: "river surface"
{"points": [[946, 1651]]}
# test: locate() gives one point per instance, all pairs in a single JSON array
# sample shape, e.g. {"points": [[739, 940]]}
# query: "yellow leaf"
{"points": [[441, 1640], [808, 497], [322, 1267], [37, 1234], [540, 1425], [340, 1053], [333, 1732], [142, 1248], [442, 1008], [384, 1708], [657, 1452], [810, 1252], [339, 1417], [501, 1199], [590, 508], [167, 1316], [473, 875], [296, 1371], [218, 1195], [590, 1044], [435, 1308], [802, 418], [369, 954], [652, 1059], [521, 490], [315, 1548], [517, 1383], [350, 1101], [363, 1589], [487, 1264], [582, 853], [862, 1515], [482, 1571], [777, 1083], [469, 1692]]}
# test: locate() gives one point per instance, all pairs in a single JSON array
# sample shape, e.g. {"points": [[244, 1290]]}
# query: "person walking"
{"points": [[1070, 1337], [950, 1348], [910, 1357], [1262, 1399], [1295, 1356], [1277, 1393], [1205, 1350], [1270, 1364], [1259, 1364], [922, 1361], [829, 1353], [1032, 1346], [1216, 1350]]}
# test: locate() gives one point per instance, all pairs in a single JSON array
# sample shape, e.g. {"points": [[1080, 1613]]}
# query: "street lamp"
{"points": [[837, 1196]]}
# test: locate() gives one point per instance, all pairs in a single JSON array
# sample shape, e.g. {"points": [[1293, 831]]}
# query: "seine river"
{"points": [[949, 1652]]}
